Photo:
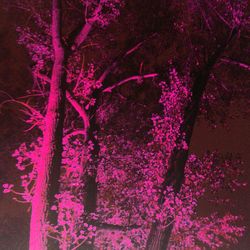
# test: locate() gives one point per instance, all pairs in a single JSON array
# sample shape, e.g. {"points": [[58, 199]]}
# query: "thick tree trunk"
{"points": [[159, 237], [48, 169]]}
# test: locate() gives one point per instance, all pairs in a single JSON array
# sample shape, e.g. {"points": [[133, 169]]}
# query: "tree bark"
{"points": [[91, 184], [48, 169], [159, 237], [91, 189]]}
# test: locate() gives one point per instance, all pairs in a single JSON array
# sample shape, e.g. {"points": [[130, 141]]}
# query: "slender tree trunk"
{"points": [[91, 185], [91, 190], [48, 169], [159, 237]]}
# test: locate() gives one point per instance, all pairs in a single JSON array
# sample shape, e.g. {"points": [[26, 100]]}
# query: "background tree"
{"points": [[200, 73]]}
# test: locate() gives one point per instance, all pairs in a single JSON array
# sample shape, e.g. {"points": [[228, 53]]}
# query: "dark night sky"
{"points": [[234, 139], [15, 78]]}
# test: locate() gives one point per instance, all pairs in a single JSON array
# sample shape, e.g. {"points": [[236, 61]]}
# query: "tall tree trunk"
{"points": [[91, 184], [90, 200], [159, 237], [48, 169]]}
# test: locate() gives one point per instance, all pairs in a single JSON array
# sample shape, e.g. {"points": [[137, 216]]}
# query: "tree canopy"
{"points": [[117, 89]]}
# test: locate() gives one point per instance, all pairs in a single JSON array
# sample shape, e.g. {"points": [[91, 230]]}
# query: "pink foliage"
{"points": [[129, 173], [135, 172]]}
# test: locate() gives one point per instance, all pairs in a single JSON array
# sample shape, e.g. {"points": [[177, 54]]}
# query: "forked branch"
{"points": [[83, 34]]}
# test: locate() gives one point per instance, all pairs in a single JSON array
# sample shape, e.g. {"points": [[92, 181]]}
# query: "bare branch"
{"points": [[218, 14], [74, 133], [80, 110], [81, 243], [132, 78], [26, 105], [115, 63], [30, 128], [121, 58], [136, 47], [55, 238], [80, 74], [205, 18], [42, 77], [104, 225], [20, 201], [233, 62], [219, 82]]}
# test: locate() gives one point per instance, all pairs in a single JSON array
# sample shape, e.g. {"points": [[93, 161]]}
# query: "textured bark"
{"points": [[91, 189], [159, 237], [91, 184], [48, 170]]}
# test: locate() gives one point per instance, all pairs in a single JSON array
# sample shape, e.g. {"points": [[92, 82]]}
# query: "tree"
{"points": [[87, 134], [174, 176], [49, 165]]}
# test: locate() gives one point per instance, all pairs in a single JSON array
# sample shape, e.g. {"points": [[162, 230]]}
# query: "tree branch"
{"points": [[218, 14], [132, 78], [42, 77], [74, 133], [79, 109], [33, 110], [80, 244], [83, 34], [104, 225], [237, 63], [120, 58]]}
